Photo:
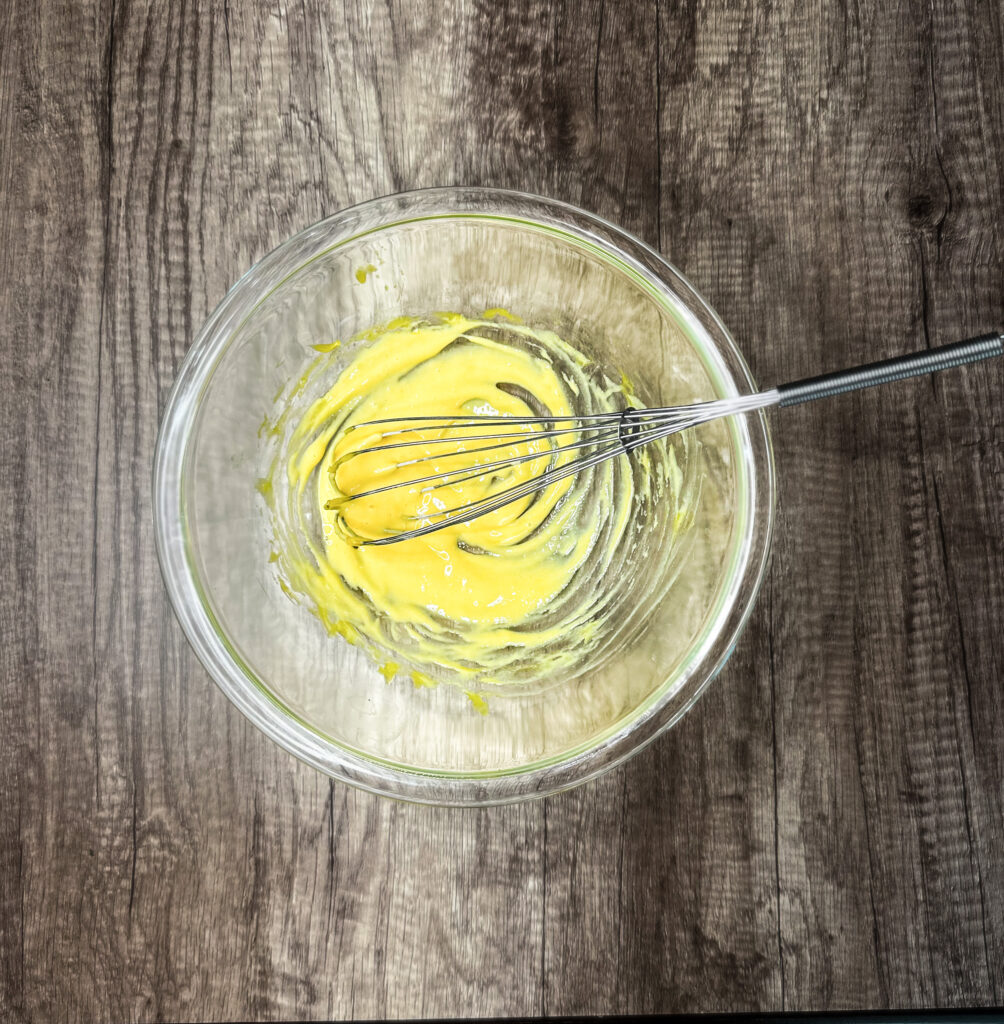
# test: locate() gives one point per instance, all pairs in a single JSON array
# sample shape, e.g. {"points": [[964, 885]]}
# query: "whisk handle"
{"points": [[913, 365]]}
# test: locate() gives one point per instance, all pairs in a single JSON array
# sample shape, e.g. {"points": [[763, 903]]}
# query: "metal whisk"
{"points": [[611, 434]]}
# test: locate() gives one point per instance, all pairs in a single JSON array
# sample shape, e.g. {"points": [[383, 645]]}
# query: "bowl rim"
{"points": [[239, 682]]}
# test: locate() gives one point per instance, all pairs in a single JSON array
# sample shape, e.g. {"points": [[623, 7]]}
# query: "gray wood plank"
{"points": [[53, 175]]}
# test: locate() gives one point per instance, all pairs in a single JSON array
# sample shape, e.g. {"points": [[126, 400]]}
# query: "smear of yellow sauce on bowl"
{"points": [[521, 591]]}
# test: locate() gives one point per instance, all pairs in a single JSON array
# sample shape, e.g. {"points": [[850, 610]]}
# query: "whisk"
{"points": [[608, 434]]}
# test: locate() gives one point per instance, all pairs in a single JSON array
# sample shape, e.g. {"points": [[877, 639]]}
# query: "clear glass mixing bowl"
{"points": [[464, 250]]}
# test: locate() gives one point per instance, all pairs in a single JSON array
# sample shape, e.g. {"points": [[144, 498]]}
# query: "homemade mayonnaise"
{"points": [[524, 590]]}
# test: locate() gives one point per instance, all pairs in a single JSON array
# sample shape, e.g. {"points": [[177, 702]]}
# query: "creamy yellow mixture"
{"points": [[523, 590]]}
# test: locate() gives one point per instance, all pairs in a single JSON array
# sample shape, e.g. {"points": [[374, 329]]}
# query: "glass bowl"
{"points": [[464, 250]]}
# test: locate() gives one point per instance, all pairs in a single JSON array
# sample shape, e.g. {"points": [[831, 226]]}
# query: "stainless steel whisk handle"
{"points": [[913, 365]]}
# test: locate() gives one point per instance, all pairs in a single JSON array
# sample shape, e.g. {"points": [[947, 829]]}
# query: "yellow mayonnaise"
{"points": [[517, 592]]}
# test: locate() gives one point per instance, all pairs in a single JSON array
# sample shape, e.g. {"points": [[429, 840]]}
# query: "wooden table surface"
{"points": [[825, 829]]}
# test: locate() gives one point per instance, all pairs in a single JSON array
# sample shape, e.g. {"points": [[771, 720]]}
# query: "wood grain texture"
{"points": [[824, 829]]}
